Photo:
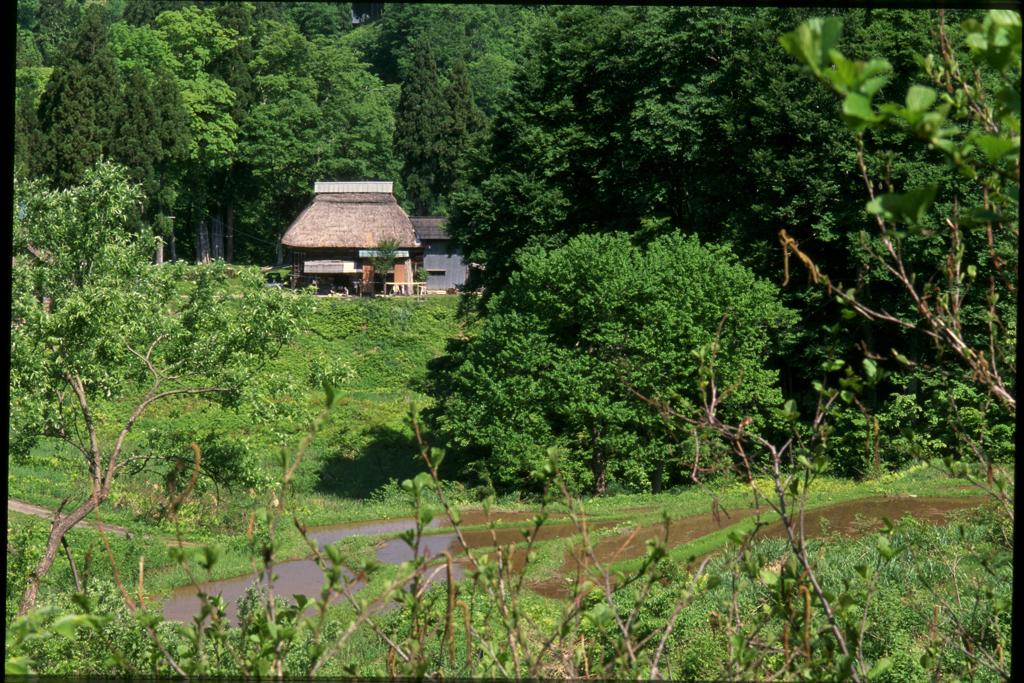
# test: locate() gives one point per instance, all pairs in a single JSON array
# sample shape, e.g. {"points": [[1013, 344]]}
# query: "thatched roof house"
{"points": [[335, 240], [358, 215]]}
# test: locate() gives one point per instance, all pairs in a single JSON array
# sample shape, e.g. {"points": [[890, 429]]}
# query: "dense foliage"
{"points": [[566, 355], [231, 110], [630, 184], [93, 320]]}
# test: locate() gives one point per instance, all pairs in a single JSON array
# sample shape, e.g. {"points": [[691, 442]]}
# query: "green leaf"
{"points": [[909, 208], [769, 578], [880, 667], [870, 368], [812, 40], [996, 147], [16, 666], [857, 112], [789, 410], [920, 98], [436, 457], [900, 357], [67, 625], [977, 215]]}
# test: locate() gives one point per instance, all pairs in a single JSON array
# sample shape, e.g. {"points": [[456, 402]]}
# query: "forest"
{"points": [[729, 392]]}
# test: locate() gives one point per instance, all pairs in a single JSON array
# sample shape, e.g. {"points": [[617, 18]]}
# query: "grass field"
{"points": [[376, 353]]}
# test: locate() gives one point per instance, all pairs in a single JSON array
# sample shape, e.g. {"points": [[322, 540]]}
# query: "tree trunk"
{"points": [[60, 527], [229, 248], [174, 250], [216, 237], [202, 241], [659, 470], [598, 464]]}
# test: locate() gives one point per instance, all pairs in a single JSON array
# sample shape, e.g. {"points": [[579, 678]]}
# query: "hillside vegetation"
{"points": [[730, 391]]}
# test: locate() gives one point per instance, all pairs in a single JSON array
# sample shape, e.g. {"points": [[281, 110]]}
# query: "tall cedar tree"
{"points": [[465, 121], [152, 136], [79, 110], [419, 130], [27, 138], [174, 136], [233, 68], [55, 27]]}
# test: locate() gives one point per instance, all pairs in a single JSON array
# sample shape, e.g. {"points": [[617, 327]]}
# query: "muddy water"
{"points": [[863, 516], [296, 576], [333, 533], [850, 518], [304, 576]]}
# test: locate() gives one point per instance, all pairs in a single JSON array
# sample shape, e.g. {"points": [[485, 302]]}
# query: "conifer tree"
{"points": [[152, 135], [174, 134], [419, 130], [27, 137], [464, 122], [79, 110], [55, 27]]}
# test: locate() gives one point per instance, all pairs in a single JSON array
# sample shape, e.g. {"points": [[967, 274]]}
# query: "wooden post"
{"points": [[159, 250], [367, 278]]}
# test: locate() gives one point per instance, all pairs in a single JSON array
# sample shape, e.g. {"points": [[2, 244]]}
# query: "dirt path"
{"points": [[45, 513]]}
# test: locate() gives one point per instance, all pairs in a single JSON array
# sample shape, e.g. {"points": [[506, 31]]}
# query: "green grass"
{"points": [[378, 350]]}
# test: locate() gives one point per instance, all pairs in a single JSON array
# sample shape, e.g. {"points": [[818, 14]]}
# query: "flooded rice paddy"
{"points": [[305, 577]]}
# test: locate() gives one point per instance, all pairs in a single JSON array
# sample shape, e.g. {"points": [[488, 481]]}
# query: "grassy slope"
{"points": [[379, 349], [376, 348]]}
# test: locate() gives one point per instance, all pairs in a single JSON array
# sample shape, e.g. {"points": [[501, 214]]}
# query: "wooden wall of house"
{"points": [[448, 270]]}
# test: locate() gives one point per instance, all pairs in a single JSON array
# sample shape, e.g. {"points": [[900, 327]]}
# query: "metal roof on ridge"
{"points": [[372, 186]]}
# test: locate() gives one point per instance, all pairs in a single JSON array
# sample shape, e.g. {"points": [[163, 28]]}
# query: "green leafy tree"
{"points": [[655, 119], [419, 133], [145, 12], [93, 322], [384, 257], [28, 53], [320, 114], [327, 19], [959, 303], [488, 39], [196, 39], [566, 355], [80, 107]]}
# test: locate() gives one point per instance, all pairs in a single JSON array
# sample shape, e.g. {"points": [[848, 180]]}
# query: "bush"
{"points": [[564, 351]]}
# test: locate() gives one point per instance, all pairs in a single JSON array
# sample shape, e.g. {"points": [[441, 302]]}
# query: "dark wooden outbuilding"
{"points": [[444, 265]]}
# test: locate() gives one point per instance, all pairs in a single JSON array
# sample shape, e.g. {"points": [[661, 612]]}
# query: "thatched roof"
{"points": [[350, 220], [429, 227]]}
